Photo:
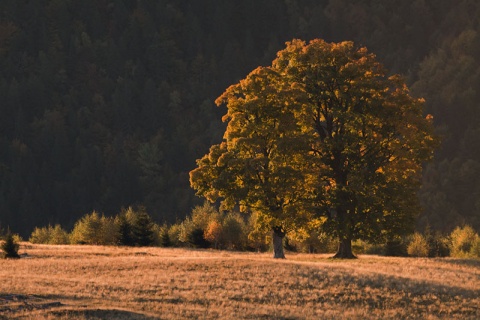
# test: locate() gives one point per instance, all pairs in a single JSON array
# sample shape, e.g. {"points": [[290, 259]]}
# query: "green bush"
{"points": [[134, 227], [418, 247], [438, 245], [50, 235], [202, 215], [374, 248], [193, 228], [463, 241], [164, 237], [316, 241], [213, 233], [88, 230], [17, 237], [196, 238], [10, 247], [156, 229], [143, 229], [361, 247], [57, 235], [124, 230], [185, 229], [396, 247], [174, 234], [40, 235], [258, 239], [233, 235], [475, 251], [109, 231]]}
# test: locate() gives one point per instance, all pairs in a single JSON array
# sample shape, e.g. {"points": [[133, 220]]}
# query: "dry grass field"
{"points": [[88, 282]]}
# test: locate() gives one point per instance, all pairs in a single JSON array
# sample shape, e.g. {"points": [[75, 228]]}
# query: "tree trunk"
{"points": [[278, 235], [344, 250]]}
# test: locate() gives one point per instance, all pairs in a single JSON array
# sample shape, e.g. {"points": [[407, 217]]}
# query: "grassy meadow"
{"points": [[100, 282]]}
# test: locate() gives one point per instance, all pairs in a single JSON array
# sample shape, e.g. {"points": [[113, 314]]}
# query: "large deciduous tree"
{"points": [[369, 133], [322, 133], [260, 165]]}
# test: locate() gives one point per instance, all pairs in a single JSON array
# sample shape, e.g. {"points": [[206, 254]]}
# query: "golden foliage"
{"points": [[322, 129]]}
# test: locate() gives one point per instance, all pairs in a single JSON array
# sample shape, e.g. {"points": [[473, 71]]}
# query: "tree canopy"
{"points": [[322, 133], [260, 163]]}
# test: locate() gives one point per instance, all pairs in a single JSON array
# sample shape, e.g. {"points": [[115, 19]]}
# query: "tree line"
{"points": [[207, 228]]}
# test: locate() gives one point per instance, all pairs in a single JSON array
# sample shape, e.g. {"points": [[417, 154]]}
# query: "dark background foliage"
{"points": [[107, 103]]}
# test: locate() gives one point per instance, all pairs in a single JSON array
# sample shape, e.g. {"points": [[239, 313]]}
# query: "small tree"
{"points": [[192, 229], [233, 231], [174, 233], [418, 247], [50, 235], [109, 230], [258, 238], [87, 230], [463, 240], [124, 230], [40, 235], [203, 215], [143, 229], [57, 235], [196, 238], [438, 244], [213, 233], [396, 246], [164, 237], [10, 247]]}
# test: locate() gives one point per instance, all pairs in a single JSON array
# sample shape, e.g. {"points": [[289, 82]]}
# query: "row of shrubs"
{"points": [[463, 242], [206, 227], [130, 228]]}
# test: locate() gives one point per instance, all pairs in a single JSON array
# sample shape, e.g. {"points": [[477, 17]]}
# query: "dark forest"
{"points": [[106, 104]]}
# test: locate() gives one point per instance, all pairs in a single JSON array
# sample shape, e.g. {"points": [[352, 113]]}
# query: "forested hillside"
{"points": [[107, 103]]}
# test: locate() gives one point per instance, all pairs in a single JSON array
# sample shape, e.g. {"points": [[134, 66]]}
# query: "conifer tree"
{"points": [[125, 236], [10, 247], [165, 237], [143, 229]]}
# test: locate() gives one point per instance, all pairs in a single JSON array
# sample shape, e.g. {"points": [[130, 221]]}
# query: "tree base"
{"points": [[344, 250], [278, 235], [344, 256]]}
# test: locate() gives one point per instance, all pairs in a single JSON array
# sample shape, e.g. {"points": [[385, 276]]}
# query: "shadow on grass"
{"points": [[385, 291], [19, 306], [94, 314]]}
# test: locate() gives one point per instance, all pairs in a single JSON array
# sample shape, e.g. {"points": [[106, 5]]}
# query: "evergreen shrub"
{"points": [[87, 230], [164, 237], [10, 247], [396, 247], [50, 235]]}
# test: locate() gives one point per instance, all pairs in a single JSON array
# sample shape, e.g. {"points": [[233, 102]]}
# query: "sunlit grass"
{"points": [[152, 283]]}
